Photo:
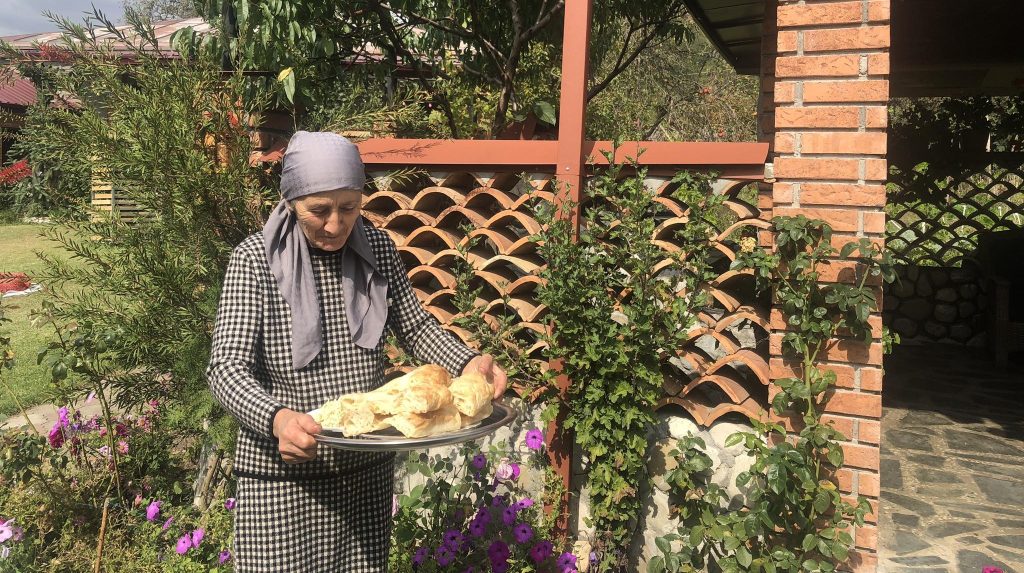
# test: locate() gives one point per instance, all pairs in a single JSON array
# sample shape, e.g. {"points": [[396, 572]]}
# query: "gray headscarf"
{"points": [[313, 163]]}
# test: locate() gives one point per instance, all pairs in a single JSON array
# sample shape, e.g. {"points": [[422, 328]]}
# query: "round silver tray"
{"points": [[391, 439]]}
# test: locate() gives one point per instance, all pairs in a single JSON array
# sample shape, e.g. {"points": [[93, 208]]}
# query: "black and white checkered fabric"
{"points": [[341, 525], [251, 375]]}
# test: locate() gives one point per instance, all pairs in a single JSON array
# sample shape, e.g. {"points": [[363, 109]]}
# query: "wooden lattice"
{"points": [[938, 209], [722, 369]]}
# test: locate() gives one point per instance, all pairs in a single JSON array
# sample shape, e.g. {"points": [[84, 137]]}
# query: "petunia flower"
{"points": [[499, 567], [479, 461], [453, 538], [566, 562], [498, 553], [419, 556], [184, 544], [522, 533], [477, 527], [444, 555], [991, 569], [224, 557], [541, 551], [524, 503], [6, 530], [534, 439], [504, 471], [508, 517], [197, 537], [153, 510], [230, 503]]}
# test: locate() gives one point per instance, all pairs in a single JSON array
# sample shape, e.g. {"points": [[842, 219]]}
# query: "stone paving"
{"points": [[952, 462]]}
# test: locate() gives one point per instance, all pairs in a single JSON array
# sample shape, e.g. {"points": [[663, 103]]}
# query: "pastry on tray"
{"points": [[424, 402]]}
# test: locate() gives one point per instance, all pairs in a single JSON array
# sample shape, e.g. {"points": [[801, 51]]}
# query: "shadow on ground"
{"points": [[952, 462]]}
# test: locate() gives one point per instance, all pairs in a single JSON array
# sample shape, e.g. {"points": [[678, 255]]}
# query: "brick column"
{"points": [[831, 90]]}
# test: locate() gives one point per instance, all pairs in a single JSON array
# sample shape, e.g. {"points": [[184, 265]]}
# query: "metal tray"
{"points": [[392, 440]]}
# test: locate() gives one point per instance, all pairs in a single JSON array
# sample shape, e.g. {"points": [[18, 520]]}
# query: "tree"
{"points": [[157, 10], [478, 64]]}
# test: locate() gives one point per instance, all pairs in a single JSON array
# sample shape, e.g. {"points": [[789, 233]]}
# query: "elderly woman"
{"points": [[302, 320]]}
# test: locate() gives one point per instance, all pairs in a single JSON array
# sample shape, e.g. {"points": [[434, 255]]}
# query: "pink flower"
{"points": [[105, 451], [991, 569], [534, 439], [138, 500], [197, 537], [90, 398], [184, 544], [62, 417], [167, 524], [153, 510], [224, 557], [56, 436], [122, 447], [230, 503], [505, 470]]}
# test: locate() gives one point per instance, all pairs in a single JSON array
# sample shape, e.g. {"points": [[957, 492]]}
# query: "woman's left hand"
{"points": [[488, 367]]}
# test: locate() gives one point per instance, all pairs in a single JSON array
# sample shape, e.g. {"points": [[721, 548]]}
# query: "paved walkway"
{"points": [[952, 463]]}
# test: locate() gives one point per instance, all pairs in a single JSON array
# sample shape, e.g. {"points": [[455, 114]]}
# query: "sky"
{"points": [[26, 16]]}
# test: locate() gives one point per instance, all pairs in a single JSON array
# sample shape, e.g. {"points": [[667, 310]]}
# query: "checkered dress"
{"points": [[333, 513]]}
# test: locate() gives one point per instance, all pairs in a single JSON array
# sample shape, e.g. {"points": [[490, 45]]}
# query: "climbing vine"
{"points": [[616, 309], [796, 518]]}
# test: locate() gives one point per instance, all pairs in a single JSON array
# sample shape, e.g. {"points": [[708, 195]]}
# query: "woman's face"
{"points": [[328, 217]]}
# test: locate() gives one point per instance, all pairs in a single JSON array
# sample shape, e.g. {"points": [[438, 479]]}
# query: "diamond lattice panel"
{"points": [[722, 369], [937, 210]]}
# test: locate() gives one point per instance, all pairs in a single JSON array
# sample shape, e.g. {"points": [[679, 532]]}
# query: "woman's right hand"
{"points": [[294, 432]]}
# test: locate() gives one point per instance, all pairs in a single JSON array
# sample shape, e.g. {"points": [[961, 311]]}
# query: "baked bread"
{"points": [[487, 410], [351, 414], [471, 393], [440, 421]]}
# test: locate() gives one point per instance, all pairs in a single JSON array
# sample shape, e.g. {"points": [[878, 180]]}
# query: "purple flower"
{"points": [[499, 567], [230, 503], [453, 538], [498, 552], [122, 447], [153, 510], [419, 556], [508, 517], [534, 439], [184, 544], [167, 524], [197, 537], [477, 527], [522, 533], [224, 557], [499, 501], [566, 562], [524, 503], [56, 436], [445, 555], [62, 417], [479, 461], [991, 569], [483, 515], [105, 451], [6, 530], [541, 551]]}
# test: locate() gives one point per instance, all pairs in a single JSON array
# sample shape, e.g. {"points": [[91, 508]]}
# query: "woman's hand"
{"points": [[294, 432], [486, 365]]}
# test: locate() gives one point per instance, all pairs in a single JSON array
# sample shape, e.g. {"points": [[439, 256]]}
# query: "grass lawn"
{"points": [[30, 382]]}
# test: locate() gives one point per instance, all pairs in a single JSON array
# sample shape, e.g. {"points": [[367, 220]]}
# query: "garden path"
{"points": [[44, 416], [952, 462]]}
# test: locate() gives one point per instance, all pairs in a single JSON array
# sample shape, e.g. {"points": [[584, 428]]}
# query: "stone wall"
{"points": [[937, 304]]}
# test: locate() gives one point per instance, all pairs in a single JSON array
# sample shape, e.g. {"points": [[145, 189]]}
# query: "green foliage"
{"points": [[615, 311], [795, 519], [171, 138], [951, 125]]}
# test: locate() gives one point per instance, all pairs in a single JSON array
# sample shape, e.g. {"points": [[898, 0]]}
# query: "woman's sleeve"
{"points": [[418, 332], [236, 336]]}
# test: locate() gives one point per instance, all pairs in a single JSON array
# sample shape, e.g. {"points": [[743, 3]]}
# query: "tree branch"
{"points": [[621, 65]]}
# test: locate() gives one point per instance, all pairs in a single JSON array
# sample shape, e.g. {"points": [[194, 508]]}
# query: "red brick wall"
{"points": [[830, 93]]}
